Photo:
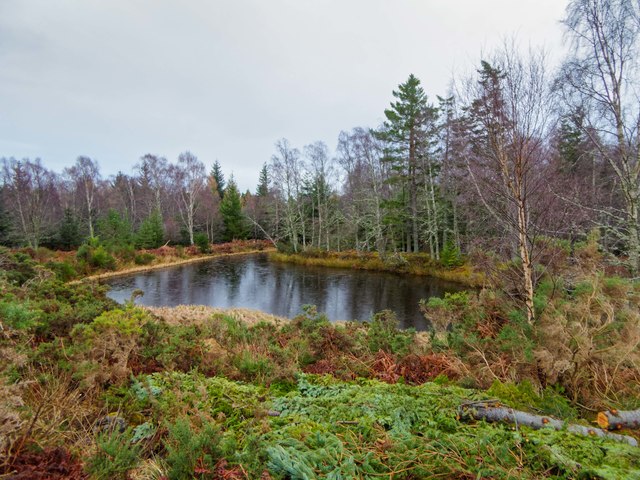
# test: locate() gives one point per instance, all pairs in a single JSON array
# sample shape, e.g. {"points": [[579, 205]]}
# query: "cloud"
{"points": [[226, 79]]}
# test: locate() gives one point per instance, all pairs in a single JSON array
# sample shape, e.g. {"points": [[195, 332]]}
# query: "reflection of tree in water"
{"points": [[282, 289], [233, 273]]}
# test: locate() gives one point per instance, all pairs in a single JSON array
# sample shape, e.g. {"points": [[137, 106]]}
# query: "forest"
{"points": [[522, 181]]}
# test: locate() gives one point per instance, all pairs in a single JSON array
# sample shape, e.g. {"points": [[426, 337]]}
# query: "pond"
{"points": [[252, 281]]}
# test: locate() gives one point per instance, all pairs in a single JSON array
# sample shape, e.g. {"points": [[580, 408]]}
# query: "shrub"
{"points": [[202, 242], [115, 457], [144, 258], [17, 315], [100, 258], [451, 256], [191, 451], [64, 271], [384, 334]]}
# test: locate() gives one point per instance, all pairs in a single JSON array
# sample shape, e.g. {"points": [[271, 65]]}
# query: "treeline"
{"points": [[160, 202], [514, 155]]}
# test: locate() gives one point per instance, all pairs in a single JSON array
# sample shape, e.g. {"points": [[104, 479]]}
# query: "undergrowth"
{"points": [[113, 391]]}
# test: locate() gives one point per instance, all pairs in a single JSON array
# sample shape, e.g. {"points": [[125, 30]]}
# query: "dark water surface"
{"points": [[252, 281]]}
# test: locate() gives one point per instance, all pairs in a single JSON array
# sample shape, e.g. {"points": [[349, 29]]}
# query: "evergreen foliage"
{"points": [[263, 182], [218, 176], [451, 256], [202, 242], [151, 232], [69, 232], [235, 227], [114, 229]]}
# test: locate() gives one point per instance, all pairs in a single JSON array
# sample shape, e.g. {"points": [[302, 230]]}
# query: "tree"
{"points": [[232, 216], [153, 180], [263, 182], [114, 229], [5, 221], [366, 189], [407, 133], [600, 79], [31, 190], [317, 189], [288, 169], [151, 232], [218, 176], [69, 232], [508, 119], [189, 180], [85, 175]]}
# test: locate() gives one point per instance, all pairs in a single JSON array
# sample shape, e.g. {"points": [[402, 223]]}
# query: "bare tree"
{"points": [[508, 118], [85, 175], [360, 154], [288, 169], [31, 190], [189, 178], [601, 80], [153, 179]]}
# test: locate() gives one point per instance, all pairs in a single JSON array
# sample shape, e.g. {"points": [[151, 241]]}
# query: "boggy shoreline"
{"points": [[158, 266]]}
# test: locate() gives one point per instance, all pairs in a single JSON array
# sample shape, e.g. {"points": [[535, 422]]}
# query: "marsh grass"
{"points": [[411, 263]]}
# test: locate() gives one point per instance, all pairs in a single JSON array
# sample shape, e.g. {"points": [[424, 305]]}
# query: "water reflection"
{"points": [[251, 281]]}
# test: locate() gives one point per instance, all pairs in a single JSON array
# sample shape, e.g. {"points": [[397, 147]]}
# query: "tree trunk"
{"points": [[618, 419], [495, 412]]}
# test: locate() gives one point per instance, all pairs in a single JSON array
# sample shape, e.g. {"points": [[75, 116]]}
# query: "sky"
{"points": [[225, 79]]}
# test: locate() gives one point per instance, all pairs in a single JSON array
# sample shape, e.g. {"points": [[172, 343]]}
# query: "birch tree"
{"points": [[85, 176], [508, 119], [190, 180], [601, 79]]}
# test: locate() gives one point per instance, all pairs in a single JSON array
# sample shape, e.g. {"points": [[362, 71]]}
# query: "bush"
{"points": [[385, 335], [64, 271], [191, 448], [94, 254], [100, 258], [17, 315], [451, 256], [144, 258], [115, 457], [202, 242]]}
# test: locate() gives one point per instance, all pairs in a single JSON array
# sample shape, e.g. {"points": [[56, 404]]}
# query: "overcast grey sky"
{"points": [[115, 79]]}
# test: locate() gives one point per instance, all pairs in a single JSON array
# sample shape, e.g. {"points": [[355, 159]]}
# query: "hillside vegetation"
{"points": [[91, 388]]}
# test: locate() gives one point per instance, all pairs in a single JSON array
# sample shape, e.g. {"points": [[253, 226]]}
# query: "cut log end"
{"points": [[619, 419], [603, 420]]}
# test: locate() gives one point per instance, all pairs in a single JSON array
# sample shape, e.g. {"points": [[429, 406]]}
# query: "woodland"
{"points": [[521, 182]]}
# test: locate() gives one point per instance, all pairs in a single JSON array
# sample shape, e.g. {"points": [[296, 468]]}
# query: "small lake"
{"points": [[252, 281]]}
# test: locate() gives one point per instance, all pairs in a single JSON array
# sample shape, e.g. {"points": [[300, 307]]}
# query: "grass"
{"points": [[170, 256], [411, 263]]}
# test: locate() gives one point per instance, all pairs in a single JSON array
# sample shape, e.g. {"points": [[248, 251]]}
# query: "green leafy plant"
{"points": [[115, 457]]}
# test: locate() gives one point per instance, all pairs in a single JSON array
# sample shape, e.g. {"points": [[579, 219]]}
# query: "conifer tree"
{"points": [[69, 232], [151, 232], [232, 216], [218, 176], [406, 133], [263, 182]]}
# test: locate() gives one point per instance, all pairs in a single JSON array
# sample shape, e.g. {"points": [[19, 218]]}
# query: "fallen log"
{"points": [[495, 412], [618, 419]]}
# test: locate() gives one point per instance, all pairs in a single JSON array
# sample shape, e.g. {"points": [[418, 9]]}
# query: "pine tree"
{"points": [[151, 232], [263, 182], [69, 231], [232, 216], [218, 176], [114, 229], [407, 135]]}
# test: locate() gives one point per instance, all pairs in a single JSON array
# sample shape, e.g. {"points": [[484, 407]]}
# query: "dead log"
{"points": [[618, 419], [495, 412]]}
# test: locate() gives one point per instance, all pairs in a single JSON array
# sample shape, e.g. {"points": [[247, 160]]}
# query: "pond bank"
{"points": [[167, 264], [411, 263]]}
